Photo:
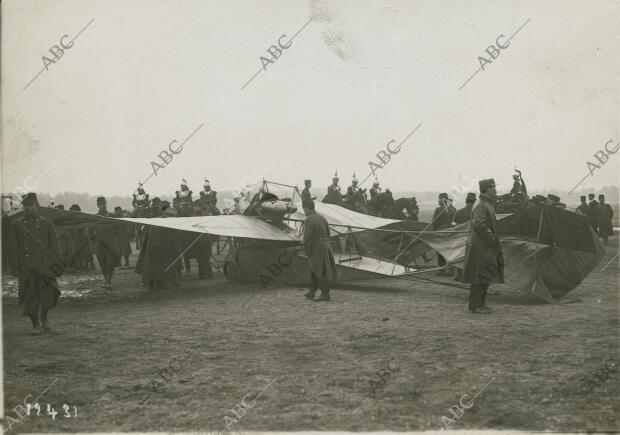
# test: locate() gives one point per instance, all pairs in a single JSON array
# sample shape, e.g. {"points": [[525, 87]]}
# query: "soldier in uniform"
{"points": [[124, 236], [441, 220], [375, 188], [518, 191], [462, 216], [107, 244], [583, 207], [208, 198], [594, 210], [83, 250], [484, 261], [316, 247], [334, 188], [66, 240], [182, 196], [141, 202], [353, 188], [35, 251], [605, 213], [305, 194], [451, 212]]}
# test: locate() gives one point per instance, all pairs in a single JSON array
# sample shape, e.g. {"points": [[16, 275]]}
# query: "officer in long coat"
{"points": [[316, 247], [463, 215], [484, 261], [107, 244], [605, 213], [35, 256]]}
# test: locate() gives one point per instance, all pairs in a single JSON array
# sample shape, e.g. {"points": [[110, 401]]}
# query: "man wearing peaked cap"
{"points": [[75, 207], [605, 213], [320, 257], [35, 255], [484, 260]]}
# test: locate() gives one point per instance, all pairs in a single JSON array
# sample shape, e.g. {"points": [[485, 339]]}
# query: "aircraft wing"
{"points": [[234, 225], [340, 218]]}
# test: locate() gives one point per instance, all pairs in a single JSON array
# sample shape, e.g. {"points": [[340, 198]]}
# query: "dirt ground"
{"points": [[314, 365]]}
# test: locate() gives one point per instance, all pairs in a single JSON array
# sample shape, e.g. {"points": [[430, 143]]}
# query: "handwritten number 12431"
{"points": [[51, 411]]}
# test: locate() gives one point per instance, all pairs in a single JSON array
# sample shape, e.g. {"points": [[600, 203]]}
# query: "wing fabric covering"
{"points": [[548, 251]]}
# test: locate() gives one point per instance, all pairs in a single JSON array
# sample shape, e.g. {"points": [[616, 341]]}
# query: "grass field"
{"points": [[312, 362]]}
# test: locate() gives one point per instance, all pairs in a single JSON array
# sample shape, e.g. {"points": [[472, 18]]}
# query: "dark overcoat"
{"points": [[316, 246], [107, 244], [35, 254], [484, 261], [160, 251], [464, 214], [605, 213], [593, 215], [441, 218]]}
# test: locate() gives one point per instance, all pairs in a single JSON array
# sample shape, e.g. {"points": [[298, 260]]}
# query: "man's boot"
{"points": [[36, 326], [324, 297]]}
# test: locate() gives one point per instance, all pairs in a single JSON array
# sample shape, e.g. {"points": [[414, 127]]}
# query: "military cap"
{"points": [[30, 198], [156, 200], [583, 197], [307, 203], [471, 197], [591, 196], [101, 200], [601, 196], [75, 207], [118, 208], [539, 198], [484, 184], [60, 207], [443, 195], [307, 181], [553, 197]]}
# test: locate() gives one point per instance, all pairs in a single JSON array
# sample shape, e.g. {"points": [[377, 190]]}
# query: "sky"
{"points": [[357, 75]]}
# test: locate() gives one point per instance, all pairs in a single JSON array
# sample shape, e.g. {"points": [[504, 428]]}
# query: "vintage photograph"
{"points": [[231, 216]]}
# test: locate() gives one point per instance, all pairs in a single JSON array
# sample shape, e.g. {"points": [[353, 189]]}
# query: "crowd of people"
{"points": [[599, 213], [35, 243]]}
